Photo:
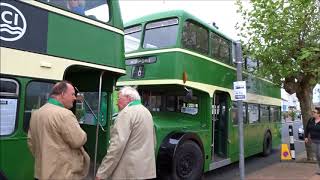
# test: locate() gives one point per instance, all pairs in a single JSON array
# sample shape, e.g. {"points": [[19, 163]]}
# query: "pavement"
{"points": [[299, 169]]}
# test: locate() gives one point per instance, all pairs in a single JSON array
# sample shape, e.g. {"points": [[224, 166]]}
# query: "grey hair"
{"points": [[130, 92]]}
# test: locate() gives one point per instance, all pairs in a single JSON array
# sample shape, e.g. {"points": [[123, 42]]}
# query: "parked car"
{"points": [[301, 132]]}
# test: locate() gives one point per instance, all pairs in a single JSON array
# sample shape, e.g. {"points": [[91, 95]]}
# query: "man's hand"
{"points": [[97, 178]]}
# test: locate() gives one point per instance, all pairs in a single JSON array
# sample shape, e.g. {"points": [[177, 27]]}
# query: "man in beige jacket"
{"points": [[56, 139], [131, 151]]}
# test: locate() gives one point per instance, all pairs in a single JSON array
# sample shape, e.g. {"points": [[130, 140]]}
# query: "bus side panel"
{"points": [[234, 145], [16, 161], [84, 42], [222, 75], [253, 138], [276, 134]]}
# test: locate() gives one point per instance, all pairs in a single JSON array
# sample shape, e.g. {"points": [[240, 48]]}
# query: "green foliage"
{"points": [[285, 115], [292, 114], [285, 36]]}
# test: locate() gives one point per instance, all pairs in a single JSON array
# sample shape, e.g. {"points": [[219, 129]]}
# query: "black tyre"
{"points": [[187, 162], [267, 144]]}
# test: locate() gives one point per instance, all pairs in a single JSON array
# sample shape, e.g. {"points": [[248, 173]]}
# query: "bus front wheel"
{"points": [[267, 144], [188, 162]]}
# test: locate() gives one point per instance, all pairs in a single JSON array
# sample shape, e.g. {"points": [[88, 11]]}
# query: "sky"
{"points": [[222, 12]]}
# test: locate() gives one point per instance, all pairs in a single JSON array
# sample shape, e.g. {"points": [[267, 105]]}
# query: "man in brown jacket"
{"points": [[56, 139], [131, 151]]}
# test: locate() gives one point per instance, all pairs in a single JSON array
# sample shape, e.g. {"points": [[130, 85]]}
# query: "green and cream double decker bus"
{"points": [[184, 70], [46, 41]]}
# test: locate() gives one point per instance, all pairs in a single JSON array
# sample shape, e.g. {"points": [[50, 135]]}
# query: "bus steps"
{"points": [[219, 162]]}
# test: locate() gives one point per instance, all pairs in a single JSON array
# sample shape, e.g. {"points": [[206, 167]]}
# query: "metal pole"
{"points": [[238, 53], [97, 126]]}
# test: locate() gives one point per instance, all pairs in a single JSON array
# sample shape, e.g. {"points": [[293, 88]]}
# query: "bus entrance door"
{"points": [[220, 130]]}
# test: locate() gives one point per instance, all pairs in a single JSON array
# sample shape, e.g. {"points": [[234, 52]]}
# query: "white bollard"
{"points": [[292, 150]]}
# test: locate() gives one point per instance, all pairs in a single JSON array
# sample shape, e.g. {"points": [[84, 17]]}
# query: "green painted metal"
{"points": [[171, 65], [115, 12], [72, 39], [254, 135], [172, 62], [15, 157], [168, 122], [96, 45]]}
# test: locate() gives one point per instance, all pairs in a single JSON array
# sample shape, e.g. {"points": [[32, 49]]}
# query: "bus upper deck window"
{"points": [[132, 38], [195, 37], [161, 34], [97, 9]]}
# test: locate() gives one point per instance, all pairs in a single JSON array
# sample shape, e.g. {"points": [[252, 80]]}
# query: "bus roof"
{"points": [[173, 13]]}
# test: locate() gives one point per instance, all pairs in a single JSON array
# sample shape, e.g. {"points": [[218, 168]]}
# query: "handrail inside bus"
{"points": [[94, 115], [189, 93]]}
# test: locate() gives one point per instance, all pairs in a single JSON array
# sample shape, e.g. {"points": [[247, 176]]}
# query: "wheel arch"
{"points": [[168, 148], [265, 136], [266, 132]]}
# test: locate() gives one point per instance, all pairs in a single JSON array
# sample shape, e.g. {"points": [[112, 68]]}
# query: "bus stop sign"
{"points": [[240, 90]]}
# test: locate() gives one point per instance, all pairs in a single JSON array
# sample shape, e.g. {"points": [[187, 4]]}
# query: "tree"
{"points": [[284, 35]]}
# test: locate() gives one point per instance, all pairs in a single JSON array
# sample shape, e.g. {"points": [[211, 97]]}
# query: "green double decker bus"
{"points": [[45, 41], [184, 71]]}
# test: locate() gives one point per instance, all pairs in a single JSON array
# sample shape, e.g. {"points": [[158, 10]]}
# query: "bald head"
{"points": [[64, 92]]}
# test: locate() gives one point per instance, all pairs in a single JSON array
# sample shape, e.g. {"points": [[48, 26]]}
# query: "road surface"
{"points": [[252, 164]]}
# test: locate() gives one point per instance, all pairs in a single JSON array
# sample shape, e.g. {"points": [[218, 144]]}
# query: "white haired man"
{"points": [[131, 151]]}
